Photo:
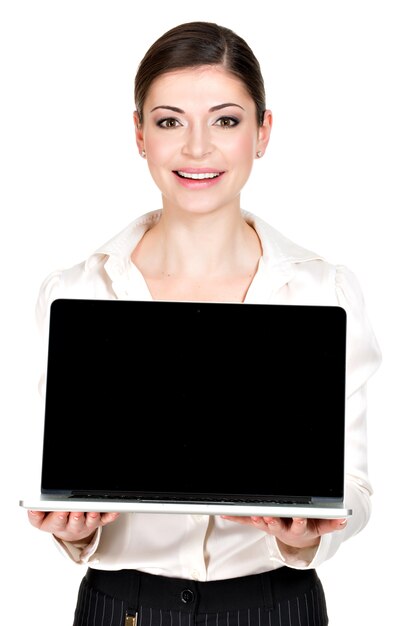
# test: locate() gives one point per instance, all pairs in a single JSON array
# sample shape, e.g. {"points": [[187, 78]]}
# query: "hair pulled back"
{"points": [[194, 44]]}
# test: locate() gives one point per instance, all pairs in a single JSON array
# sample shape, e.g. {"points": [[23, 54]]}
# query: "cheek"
{"points": [[159, 147], [243, 148], [158, 152]]}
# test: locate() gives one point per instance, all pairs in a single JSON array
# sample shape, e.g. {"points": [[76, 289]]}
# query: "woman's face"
{"points": [[200, 136]]}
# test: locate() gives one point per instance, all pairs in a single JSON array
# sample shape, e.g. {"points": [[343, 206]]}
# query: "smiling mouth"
{"points": [[199, 175]]}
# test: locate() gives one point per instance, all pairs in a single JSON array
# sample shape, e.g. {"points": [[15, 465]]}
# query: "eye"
{"points": [[168, 122], [226, 122]]}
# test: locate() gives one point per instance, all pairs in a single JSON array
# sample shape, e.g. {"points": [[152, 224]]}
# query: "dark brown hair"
{"points": [[195, 44]]}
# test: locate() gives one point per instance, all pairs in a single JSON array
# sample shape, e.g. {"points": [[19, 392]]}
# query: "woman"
{"points": [[200, 122]]}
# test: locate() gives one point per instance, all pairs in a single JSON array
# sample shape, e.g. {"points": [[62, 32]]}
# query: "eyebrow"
{"points": [[217, 107]]}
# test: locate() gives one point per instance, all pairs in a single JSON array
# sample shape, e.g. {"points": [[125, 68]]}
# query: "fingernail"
{"points": [[343, 522]]}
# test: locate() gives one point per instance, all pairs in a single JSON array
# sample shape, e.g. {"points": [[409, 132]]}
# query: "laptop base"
{"points": [[47, 503]]}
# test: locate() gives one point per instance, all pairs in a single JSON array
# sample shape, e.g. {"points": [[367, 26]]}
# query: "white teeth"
{"points": [[199, 176]]}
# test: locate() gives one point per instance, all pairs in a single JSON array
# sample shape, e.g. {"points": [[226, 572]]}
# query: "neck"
{"points": [[193, 246]]}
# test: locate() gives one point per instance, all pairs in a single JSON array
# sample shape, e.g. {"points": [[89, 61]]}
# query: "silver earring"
{"points": [[143, 154], [259, 154]]}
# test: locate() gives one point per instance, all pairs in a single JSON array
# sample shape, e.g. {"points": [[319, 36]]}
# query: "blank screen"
{"points": [[195, 398]]}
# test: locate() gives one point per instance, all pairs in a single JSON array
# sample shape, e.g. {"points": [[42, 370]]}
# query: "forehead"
{"points": [[206, 84]]}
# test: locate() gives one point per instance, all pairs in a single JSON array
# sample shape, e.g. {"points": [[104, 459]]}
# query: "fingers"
{"points": [[94, 519], [56, 522], [294, 532], [70, 526], [330, 525], [79, 523], [36, 518], [240, 519], [299, 526], [107, 518], [270, 525], [47, 521]]}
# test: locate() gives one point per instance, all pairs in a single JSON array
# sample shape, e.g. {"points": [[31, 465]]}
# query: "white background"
{"points": [[339, 177]]}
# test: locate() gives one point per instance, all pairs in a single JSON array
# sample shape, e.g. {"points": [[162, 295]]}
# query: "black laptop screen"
{"points": [[208, 399]]}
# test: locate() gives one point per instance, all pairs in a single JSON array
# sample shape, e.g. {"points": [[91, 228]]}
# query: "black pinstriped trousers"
{"points": [[283, 597]]}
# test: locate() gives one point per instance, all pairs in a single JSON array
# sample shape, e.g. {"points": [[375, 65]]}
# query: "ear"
{"points": [[139, 136], [264, 131]]}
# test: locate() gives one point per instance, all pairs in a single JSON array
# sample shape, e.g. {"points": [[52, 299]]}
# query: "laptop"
{"points": [[194, 407]]}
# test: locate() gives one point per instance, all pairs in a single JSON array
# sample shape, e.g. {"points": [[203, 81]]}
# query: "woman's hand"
{"points": [[72, 526], [293, 532]]}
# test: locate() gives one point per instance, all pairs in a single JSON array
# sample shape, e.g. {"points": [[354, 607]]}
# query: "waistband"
{"points": [[149, 590]]}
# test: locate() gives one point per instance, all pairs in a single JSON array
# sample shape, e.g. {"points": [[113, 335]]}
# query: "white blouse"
{"points": [[203, 547]]}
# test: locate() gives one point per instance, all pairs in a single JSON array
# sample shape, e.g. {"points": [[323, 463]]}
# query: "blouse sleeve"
{"points": [[363, 359], [51, 289]]}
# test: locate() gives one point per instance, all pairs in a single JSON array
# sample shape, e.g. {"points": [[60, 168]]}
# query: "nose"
{"points": [[197, 141]]}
